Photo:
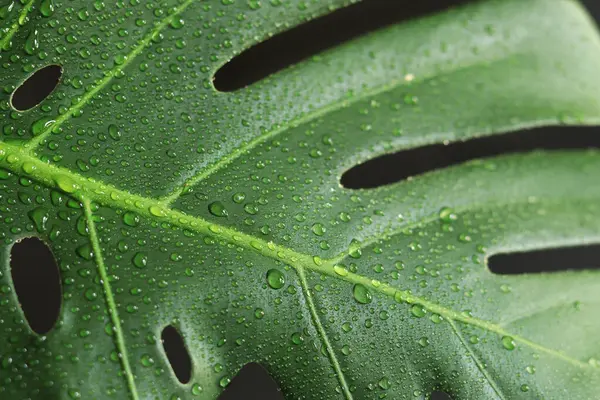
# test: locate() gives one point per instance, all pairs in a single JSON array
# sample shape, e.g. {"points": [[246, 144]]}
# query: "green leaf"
{"points": [[250, 246]]}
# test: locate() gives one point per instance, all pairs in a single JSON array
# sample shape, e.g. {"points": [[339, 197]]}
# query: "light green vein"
{"points": [[476, 360], [405, 296], [110, 301], [304, 119], [108, 76], [323, 335], [16, 159], [16, 25]]}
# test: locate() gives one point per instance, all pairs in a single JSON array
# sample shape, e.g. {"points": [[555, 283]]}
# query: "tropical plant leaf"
{"points": [[166, 202]]}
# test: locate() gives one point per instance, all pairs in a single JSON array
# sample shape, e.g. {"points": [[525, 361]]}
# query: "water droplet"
{"points": [[6, 9], [418, 310], [447, 215], [85, 251], [238, 197], [362, 294], [508, 343], [47, 8], [131, 218], [66, 184], [196, 389], [354, 249], [436, 318], [217, 209], [32, 43], [156, 211], [340, 270], [39, 216], [41, 124], [384, 383], [275, 279], [297, 338], [147, 360], [223, 382], [140, 260], [318, 229]]}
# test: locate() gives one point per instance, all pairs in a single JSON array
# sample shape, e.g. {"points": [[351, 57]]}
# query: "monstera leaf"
{"points": [[166, 202]]}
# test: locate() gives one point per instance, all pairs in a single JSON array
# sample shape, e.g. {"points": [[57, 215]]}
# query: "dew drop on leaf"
{"points": [[340, 270], [297, 338], [275, 279], [140, 260], [39, 216], [384, 383], [223, 382], [217, 209], [238, 197], [147, 360], [66, 184], [47, 8], [197, 389], [318, 229], [361, 294], [131, 218], [418, 310], [508, 343]]}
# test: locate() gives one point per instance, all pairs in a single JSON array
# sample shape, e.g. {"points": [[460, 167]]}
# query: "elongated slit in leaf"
{"points": [[437, 395], [395, 167], [311, 38], [36, 88], [252, 382], [36, 279], [546, 260], [177, 354]]}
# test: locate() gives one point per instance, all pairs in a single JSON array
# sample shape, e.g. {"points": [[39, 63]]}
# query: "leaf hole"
{"points": [[252, 382], [177, 354], [437, 395], [310, 38], [36, 280], [399, 166], [546, 260], [36, 88]]}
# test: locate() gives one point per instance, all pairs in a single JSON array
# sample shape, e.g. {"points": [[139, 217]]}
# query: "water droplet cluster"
{"points": [[168, 203]]}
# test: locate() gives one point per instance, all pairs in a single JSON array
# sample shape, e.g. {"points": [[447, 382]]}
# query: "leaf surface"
{"points": [[166, 202]]}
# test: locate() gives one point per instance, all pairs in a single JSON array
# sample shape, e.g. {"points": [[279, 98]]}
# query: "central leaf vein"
{"points": [[16, 159]]}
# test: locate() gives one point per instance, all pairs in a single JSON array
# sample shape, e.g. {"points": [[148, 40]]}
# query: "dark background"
{"points": [[32, 258]]}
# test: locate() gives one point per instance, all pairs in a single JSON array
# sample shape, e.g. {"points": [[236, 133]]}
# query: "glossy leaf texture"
{"points": [[168, 203]]}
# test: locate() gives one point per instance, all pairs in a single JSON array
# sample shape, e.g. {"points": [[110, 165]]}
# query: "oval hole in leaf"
{"points": [[252, 382], [392, 168], [313, 37], [177, 354], [546, 260], [36, 279], [440, 396], [36, 87]]}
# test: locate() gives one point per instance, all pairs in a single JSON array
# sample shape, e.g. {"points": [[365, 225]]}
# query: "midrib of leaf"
{"points": [[18, 160], [110, 301], [16, 25], [109, 75]]}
